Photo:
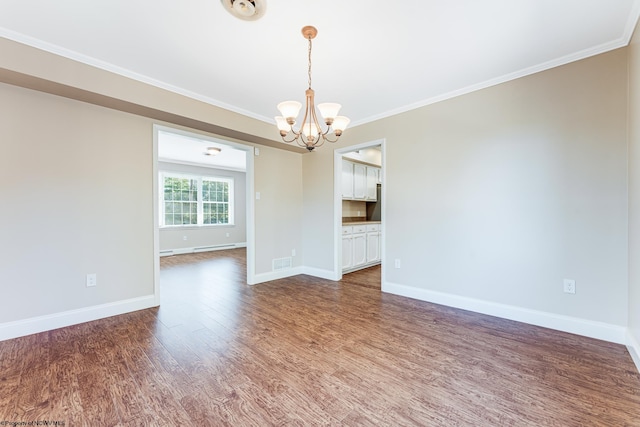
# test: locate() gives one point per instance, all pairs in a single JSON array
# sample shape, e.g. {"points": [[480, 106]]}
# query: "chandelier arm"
{"points": [[315, 120], [326, 132], [301, 133], [319, 137], [296, 136], [325, 137]]}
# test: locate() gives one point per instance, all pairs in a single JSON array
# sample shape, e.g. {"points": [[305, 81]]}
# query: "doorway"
{"points": [[359, 216], [201, 196]]}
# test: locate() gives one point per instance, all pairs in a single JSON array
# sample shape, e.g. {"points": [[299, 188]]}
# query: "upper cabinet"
{"points": [[373, 175], [359, 181], [347, 180]]}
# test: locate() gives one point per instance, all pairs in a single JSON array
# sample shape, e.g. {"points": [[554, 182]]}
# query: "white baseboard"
{"points": [[275, 275], [281, 274], [49, 322], [181, 251], [321, 273], [634, 349], [599, 330]]}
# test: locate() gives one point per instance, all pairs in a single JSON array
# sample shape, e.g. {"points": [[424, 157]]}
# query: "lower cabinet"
{"points": [[347, 250], [359, 249], [373, 243], [360, 246]]}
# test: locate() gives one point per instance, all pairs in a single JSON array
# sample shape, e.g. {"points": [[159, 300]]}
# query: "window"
{"points": [[189, 200], [180, 201], [215, 202]]}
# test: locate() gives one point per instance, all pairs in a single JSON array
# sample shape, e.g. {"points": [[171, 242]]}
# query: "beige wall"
{"points": [[496, 195], [634, 189], [500, 194], [66, 160], [173, 237], [318, 212], [278, 213], [76, 183]]}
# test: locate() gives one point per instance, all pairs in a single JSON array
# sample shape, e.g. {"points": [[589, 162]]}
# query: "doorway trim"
{"points": [[250, 208], [337, 204]]}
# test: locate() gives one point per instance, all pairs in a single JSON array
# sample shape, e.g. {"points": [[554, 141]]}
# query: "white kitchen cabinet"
{"points": [[347, 180], [359, 249], [360, 246], [347, 252], [359, 181], [372, 181], [373, 243]]}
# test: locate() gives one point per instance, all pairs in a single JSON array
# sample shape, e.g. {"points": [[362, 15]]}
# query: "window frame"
{"points": [[199, 199]]}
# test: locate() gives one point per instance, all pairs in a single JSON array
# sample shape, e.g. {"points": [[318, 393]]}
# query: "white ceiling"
{"points": [[376, 58], [178, 147]]}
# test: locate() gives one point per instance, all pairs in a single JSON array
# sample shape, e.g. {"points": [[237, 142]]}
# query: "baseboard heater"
{"points": [[212, 248], [170, 252]]}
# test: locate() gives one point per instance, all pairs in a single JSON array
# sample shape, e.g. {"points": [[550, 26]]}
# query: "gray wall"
{"points": [[173, 237]]}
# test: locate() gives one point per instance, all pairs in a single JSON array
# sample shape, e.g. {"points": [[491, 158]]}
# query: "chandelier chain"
{"points": [[309, 62]]}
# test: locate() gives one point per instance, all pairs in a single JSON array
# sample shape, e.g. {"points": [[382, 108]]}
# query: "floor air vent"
{"points": [[281, 263]]}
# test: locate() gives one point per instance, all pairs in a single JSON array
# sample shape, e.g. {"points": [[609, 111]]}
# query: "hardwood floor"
{"points": [[307, 351], [369, 277]]}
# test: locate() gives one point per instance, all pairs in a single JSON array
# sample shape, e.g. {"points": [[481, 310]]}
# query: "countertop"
{"points": [[360, 222]]}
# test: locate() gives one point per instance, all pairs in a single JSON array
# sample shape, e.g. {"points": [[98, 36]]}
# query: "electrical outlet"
{"points": [[293, 252], [569, 286], [92, 280], [184, 238], [397, 263]]}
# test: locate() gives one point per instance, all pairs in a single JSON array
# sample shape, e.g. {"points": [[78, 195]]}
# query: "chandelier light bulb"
{"points": [[340, 123], [310, 130], [283, 126], [329, 110], [289, 109]]}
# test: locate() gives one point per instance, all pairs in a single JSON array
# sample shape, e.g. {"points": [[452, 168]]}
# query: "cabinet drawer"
{"points": [[359, 228], [373, 227], [347, 230]]}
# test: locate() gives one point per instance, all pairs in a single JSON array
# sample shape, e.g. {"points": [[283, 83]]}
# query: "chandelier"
{"points": [[310, 134]]}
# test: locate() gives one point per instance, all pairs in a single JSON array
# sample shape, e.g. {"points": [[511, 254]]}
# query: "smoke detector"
{"points": [[247, 10]]}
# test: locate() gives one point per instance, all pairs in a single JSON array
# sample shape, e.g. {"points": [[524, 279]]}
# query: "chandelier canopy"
{"points": [[310, 134]]}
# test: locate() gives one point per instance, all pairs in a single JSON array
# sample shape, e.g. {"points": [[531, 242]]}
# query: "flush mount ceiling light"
{"points": [[212, 151], [310, 134], [247, 10]]}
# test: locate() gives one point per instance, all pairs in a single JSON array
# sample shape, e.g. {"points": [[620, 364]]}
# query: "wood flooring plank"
{"points": [[308, 351], [98, 401], [32, 396], [158, 392], [65, 402], [9, 387]]}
